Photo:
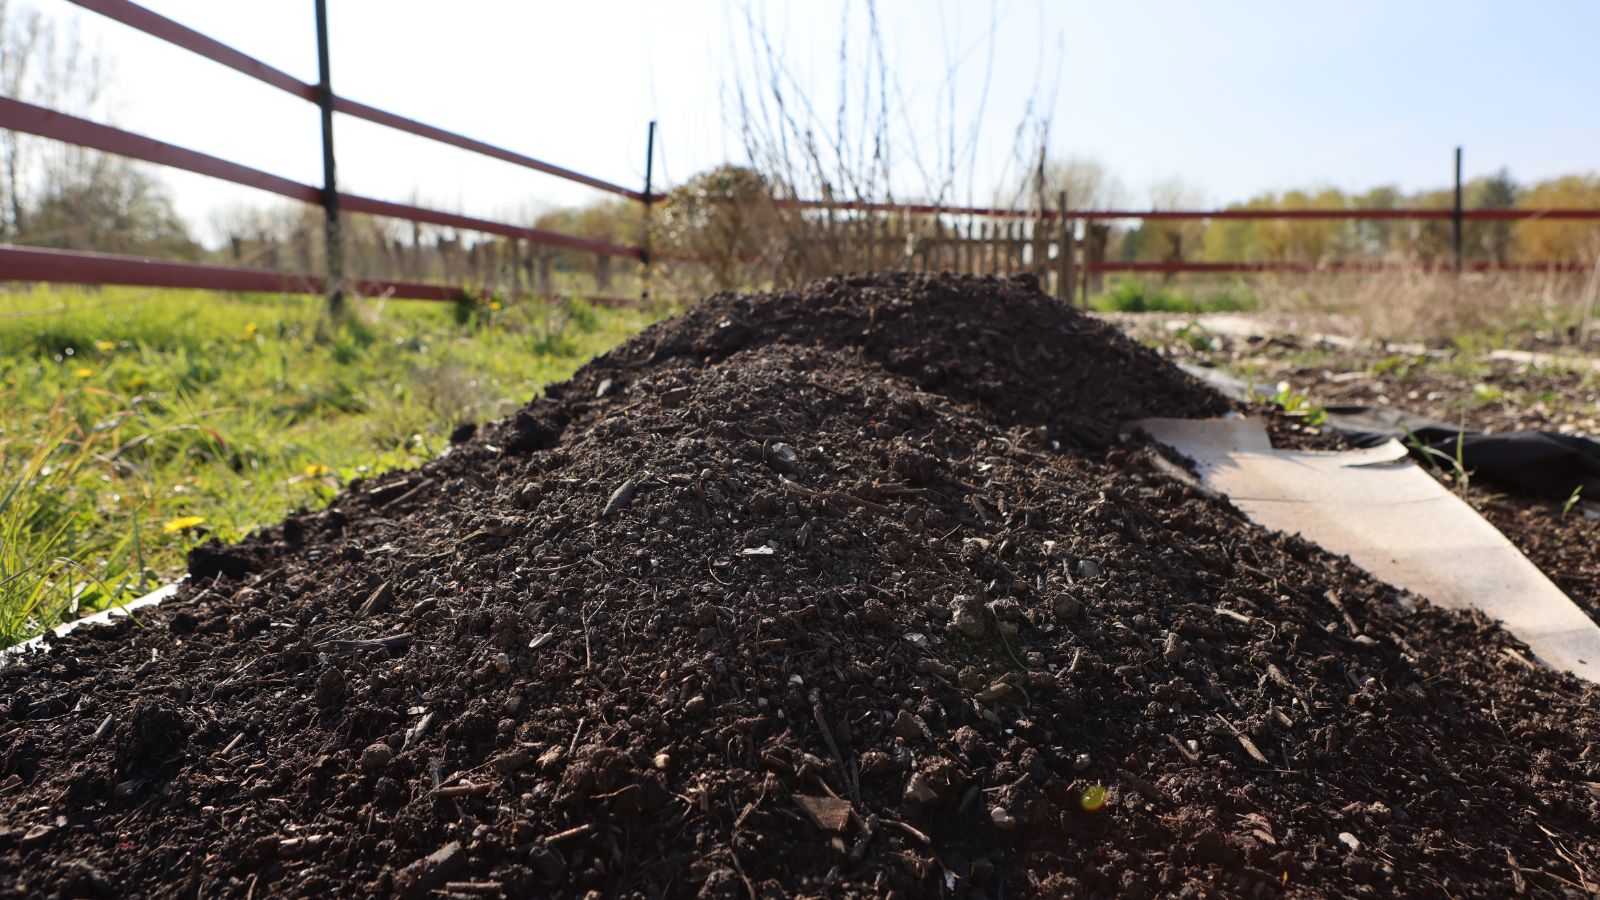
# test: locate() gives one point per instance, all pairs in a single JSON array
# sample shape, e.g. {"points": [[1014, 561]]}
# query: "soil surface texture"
{"points": [[848, 591]]}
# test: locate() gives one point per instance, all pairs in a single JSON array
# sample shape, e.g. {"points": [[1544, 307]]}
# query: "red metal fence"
{"points": [[29, 264], [1094, 266], [19, 263], [1469, 215]]}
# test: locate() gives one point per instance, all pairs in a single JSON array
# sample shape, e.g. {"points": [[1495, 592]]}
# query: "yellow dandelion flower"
{"points": [[1093, 798], [494, 305], [182, 523], [317, 470], [83, 373], [105, 346]]}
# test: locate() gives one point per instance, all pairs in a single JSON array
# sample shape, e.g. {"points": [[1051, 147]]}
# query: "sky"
{"points": [[1234, 98]]}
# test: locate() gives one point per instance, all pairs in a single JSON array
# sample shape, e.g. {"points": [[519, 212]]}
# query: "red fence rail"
{"points": [[1468, 215], [19, 264], [1457, 216], [83, 267], [159, 26], [1330, 267], [1050, 215]]}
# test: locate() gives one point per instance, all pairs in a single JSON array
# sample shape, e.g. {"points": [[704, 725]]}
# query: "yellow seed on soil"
{"points": [[1093, 798]]}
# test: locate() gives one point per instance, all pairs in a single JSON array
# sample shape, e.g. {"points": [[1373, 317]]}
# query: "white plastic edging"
{"points": [[36, 645]]}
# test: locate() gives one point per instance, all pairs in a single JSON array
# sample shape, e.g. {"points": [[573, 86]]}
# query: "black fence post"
{"points": [[1455, 217], [649, 201], [1066, 261], [330, 185]]}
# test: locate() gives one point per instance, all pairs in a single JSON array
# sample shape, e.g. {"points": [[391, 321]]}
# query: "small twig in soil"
{"points": [[838, 496], [739, 867], [406, 496], [379, 596], [827, 738], [1337, 604], [1150, 791], [578, 831], [474, 887], [1020, 666], [577, 732], [901, 490], [826, 390], [588, 657], [907, 829], [1248, 745], [392, 642], [554, 569], [464, 790]]}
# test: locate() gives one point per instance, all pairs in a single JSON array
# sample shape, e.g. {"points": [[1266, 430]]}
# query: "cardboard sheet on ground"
{"points": [[1392, 519]]}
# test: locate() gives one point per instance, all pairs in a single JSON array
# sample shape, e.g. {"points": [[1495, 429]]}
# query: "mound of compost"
{"points": [[848, 591]]}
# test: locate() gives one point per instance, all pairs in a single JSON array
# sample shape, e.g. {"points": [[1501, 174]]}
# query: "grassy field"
{"points": [[136, 423], [1135, 295], [1437, 308]]}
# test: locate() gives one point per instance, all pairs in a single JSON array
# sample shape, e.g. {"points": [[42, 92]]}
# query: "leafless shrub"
{"points": [[872, 146]]}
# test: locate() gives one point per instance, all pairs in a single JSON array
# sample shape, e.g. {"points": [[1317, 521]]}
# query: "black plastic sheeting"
{"points": [[1543, 463]]}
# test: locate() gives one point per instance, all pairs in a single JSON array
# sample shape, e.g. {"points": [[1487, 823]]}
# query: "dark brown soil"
{"points": [[852, 591]]}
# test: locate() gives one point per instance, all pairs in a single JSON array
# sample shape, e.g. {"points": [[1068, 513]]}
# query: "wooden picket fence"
{"points": [[980, 243]]}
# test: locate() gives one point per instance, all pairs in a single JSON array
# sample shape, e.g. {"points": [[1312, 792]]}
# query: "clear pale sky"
{"points": [[1235, 98]]}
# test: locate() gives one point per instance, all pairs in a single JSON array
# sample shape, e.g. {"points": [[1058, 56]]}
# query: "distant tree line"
{"points": [[1089, 186], [56, 195]]}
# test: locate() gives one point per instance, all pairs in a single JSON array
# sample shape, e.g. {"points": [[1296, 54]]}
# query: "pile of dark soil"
{"points": [[849, 591]]}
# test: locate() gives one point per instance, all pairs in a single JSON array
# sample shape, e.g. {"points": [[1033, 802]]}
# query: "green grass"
{"points": [[137, 423], [1134, 295]]}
